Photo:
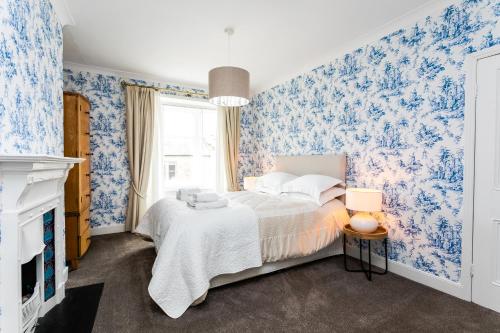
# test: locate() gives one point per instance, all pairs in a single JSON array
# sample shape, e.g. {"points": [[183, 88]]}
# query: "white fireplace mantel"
{"points": [[30, 186]]}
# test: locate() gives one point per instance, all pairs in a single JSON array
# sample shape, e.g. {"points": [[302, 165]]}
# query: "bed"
{"points": [[256, 234], [329, 165]]}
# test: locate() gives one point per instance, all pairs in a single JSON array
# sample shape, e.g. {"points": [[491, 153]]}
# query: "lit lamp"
{"points": [[249, 183], [364, 201]]}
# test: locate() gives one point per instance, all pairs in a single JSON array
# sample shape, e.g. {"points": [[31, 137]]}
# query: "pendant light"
{"points": [[228, 85]]}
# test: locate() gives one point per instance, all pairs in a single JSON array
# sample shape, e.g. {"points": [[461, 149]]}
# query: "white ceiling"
{"points": [[179, 41]]}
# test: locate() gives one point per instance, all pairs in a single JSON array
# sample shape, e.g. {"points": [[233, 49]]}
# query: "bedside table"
{"points": [[379, 234]]}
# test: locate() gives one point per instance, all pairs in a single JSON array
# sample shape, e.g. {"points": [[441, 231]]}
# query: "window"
{"points": [[171, 170], [188, 144]]}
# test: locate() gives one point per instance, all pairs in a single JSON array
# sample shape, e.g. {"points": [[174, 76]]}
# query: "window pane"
{"points": [[189, 147]]}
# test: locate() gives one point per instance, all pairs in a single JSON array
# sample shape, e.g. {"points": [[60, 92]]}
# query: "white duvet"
{"points": [[194, 246], [291, 227]]}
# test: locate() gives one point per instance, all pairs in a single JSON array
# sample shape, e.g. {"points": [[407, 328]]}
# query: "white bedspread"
{"points": [[291, 227], [195, 246]]}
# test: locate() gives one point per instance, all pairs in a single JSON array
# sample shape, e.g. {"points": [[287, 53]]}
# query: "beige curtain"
{"points": [[230, 140], [141, 104]]}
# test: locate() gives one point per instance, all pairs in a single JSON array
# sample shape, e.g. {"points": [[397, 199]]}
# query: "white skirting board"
{"points": [[430, 280], [112, 229]]}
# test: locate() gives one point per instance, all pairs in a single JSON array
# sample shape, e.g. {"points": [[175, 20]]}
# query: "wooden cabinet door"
{"points": [[85, 176], [84, 201], [84, 115], [71, 128], [71, 190], [71, 235], [77, 188], [71, 135], [84, 222], [84, 242], [84, 128], [84, 146]]}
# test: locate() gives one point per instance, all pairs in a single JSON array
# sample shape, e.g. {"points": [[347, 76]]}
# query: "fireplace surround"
{"points": [[33, 270]]}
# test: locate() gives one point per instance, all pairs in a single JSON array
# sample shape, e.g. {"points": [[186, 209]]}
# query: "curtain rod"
{"points": [[187, 93]]}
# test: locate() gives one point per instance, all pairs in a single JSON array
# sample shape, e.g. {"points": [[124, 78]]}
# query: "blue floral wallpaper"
{"points": [[109, 161], [31, 116], [396, 107]]}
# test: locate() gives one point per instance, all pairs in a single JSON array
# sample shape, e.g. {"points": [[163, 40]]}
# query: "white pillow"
{"points": [[330, 194], [273, 181], [326, 196], [312, 185]]}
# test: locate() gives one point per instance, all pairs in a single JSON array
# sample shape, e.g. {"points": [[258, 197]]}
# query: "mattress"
{"points": [[291, 227]]}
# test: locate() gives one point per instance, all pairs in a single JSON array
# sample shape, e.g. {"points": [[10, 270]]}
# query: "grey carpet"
{"points": [[316, 297]]}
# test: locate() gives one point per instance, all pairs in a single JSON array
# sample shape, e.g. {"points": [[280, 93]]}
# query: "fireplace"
{"points": [[32, 246], [29, 279], [38, 273], [30, 292]]}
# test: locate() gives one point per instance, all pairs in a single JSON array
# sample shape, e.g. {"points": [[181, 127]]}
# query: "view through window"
{"points": [[188, 135]]}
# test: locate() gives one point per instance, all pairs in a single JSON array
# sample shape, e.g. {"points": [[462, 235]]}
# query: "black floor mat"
{"points": [[75, 314]]}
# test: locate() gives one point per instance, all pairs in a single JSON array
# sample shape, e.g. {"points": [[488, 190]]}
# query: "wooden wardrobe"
{"points": [[77, 188]]}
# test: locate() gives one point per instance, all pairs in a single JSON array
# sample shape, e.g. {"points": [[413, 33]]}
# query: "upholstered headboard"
{"points": [[328, 165]]}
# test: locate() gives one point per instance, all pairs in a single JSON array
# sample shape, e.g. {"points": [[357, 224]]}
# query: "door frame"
{"points": [[469, 139]]}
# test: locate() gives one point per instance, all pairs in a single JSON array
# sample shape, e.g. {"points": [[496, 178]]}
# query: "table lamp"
{"points": [[363, 201], [249, 183]]}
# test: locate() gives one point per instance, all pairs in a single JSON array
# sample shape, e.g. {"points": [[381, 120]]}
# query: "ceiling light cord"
{"points": [[229, 49], [229, 31]]}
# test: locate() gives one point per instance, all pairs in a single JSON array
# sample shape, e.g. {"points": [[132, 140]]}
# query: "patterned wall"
{"points": [[110, 173], [396, 107], [31, 118]]}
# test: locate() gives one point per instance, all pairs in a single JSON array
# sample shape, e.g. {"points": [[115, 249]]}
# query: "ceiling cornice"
{"points": [[63, 13], [402, 21], [157, 80]]}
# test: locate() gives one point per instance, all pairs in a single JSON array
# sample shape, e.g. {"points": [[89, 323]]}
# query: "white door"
{"points": [[486, 252]]}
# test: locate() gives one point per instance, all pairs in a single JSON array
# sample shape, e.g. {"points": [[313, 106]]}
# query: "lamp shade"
{"points": [[363, 200], [228, 86]]}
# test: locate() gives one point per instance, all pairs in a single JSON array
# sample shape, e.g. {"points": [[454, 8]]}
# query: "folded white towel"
{"points": [[208, 205], [205, 197], [184, 193]]}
